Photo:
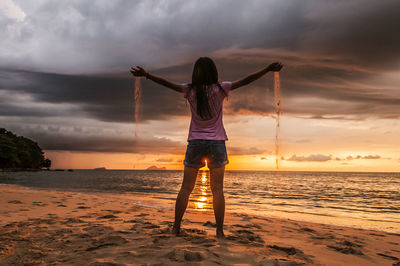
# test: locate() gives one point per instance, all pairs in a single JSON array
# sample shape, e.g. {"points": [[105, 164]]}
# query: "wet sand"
{"points": [[53, 227]]}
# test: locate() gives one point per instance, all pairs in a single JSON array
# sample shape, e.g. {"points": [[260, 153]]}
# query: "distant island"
{"points": [[153, 167], [20, 153], [100, 168]]}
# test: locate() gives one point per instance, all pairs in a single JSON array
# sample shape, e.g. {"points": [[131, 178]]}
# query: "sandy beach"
{"points": [[68, 228]]}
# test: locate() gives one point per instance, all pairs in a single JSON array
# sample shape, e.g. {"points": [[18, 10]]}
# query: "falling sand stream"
{"points": [[277, 116], [137, 103]]}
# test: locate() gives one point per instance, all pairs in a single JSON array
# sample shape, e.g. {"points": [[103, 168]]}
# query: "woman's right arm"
{"points": [[140, 72], [252, 77]]}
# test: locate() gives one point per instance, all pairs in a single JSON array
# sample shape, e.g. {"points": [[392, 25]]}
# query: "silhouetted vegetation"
{"points": [[17, 152]]}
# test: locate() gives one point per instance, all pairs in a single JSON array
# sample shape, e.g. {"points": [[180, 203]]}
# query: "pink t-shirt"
{"points": [[212, 129]]}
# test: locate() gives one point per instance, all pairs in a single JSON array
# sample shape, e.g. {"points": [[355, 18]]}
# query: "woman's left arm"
{"points": [[140, 72]]}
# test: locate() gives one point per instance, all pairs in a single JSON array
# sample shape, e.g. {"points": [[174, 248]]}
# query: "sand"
{"points": [[53, 227]]}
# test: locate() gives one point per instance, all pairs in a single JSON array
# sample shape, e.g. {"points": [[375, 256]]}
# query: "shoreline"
{"points": [[49, 226], [157, 201], [243, 170]]}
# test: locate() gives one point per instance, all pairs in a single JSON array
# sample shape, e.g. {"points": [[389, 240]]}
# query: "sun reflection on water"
{"points": [[201, 198]]}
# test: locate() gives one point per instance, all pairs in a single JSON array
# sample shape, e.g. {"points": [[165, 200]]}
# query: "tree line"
{"points": [[17, 152]]}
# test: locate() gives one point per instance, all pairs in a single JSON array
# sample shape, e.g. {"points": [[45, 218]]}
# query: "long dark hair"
{"points": [[204, 75]]}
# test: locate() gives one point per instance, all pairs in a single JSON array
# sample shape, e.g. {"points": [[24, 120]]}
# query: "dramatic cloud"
{"points": [[324, 158], [88, 135], [310, 158], [110, 144], [75, 36], [350, 157], [232, 150], [331, 95], [165, 160], [102, 97]]}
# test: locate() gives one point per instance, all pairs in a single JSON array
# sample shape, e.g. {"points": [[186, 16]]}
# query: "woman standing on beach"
{"points": [[206, 134]]}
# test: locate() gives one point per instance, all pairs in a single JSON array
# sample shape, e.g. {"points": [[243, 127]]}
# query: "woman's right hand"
{"points": [[138, 71], [275, 67]]}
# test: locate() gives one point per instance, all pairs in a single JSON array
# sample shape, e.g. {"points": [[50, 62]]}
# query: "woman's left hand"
{"points": [[275, 67], [138, 71]]}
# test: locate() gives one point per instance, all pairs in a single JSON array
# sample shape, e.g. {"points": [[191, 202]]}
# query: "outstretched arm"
{"points": [[250, 78], [140, 72]]}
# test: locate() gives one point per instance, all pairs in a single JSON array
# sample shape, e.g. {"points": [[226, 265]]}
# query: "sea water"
{"points": [[356, 199]]}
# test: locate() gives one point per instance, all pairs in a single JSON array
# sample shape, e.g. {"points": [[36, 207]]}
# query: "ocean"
{"points": [[355, 199]]}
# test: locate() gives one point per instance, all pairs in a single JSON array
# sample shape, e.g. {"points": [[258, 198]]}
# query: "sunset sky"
{"points": [[64, 80]]}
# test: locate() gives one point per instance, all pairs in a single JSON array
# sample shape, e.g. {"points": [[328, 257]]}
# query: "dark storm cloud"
{"points": [[63, 137], [78, 36], [105, 98], [310, 89], [323, 45], [317, 90], [96, 143], [368, 37]]}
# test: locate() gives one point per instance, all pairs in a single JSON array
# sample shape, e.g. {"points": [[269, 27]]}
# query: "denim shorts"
{"points": [[199, 150]]}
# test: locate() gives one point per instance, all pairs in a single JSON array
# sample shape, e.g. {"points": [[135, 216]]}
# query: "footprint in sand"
{"points": [[179, 255], [107, 241], [287, 250], [293, 252], [247, 226], [15, 202], [148, 225], [347, 247], [39, 203], [246, 237], [199, 239], [306, 229], [108, 216], [142, 215], [195, 231], [323, 236], [112, 211], [72, 220], [167, 223], [83, 207], [134, 221]]}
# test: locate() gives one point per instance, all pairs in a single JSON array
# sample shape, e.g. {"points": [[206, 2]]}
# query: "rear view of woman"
{"points": [[207, 134]]}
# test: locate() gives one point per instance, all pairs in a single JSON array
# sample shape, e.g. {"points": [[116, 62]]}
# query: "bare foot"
{"points": [[176, 230], [220, 234]]}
